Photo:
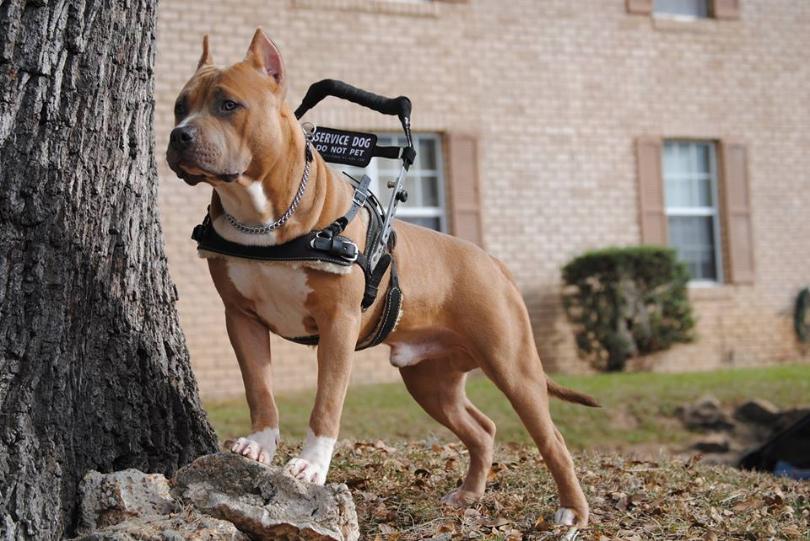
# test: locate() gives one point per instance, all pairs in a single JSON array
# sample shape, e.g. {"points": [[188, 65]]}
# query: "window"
{"points": [[425, 180], [682, 8], [687, 9], [690, 195]]}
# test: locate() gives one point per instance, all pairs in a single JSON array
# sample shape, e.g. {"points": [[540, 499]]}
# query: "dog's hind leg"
{"points": [[524, 384], [441, 393], [507, 354]]}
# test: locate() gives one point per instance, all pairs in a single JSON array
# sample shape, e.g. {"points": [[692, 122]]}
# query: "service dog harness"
{"points": [[328, 245]]}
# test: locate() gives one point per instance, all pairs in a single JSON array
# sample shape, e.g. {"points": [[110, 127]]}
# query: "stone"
{"points": [[706, 414], [264, 502], [188, 526], [111, 498], [713, 443], [757, 411]]}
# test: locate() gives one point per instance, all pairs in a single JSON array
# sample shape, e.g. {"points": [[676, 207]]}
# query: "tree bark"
{"points": [[94, 370]]}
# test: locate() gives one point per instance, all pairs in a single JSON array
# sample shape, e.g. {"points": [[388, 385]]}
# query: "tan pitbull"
{"points": [[461, 309]]}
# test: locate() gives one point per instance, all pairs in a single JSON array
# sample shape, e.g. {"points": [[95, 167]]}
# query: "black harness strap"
{"points": [[342, 251], [329, 246], [391, 312], [329, 239]]}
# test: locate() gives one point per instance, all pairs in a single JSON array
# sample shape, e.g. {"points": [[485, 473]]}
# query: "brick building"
{"points": [[547, 128]]}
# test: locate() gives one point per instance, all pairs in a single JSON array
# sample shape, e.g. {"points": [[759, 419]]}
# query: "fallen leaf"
{"points": [[694, 459]]}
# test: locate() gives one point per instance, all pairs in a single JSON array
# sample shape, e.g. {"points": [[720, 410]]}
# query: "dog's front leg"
{"points": [[251, 343], [338, 337]]}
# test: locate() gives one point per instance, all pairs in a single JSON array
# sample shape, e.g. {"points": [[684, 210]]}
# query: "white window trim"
{"points": [[713, 211], [374, 171]]}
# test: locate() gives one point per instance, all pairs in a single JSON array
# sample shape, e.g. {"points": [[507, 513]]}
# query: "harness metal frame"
{"points": [[400, 107]]}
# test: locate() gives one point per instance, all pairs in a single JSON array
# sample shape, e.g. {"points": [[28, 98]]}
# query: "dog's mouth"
{"points": [[194, 174]]}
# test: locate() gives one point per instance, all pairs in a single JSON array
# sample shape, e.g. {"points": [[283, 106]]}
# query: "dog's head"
{"points": [[229, 121]]}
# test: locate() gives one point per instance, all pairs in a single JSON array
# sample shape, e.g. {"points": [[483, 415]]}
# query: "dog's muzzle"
{"points": [[182, 137]]}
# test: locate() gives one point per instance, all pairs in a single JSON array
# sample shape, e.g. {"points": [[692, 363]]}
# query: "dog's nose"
{"points": [[182, 137]]}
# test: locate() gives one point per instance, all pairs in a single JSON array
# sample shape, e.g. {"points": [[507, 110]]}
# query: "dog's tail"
{"points": [[570, 395]]}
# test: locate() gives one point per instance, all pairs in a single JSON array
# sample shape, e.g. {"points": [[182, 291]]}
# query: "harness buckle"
{"points": [[335, 245], [359, 199], [354, 255]]}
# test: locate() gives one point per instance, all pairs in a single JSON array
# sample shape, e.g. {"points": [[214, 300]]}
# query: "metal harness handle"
{"points": [[399, 106]]}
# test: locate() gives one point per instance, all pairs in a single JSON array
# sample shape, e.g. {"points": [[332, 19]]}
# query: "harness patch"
{"points": [[344, 147]]}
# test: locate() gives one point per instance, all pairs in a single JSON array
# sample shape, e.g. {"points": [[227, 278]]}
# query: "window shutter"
{"points": [[640, 7], [726, 9], [653, 216], [736, 195], [465, 207]]}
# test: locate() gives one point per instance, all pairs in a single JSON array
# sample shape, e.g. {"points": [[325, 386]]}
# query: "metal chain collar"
{"points": [[268, 228]]}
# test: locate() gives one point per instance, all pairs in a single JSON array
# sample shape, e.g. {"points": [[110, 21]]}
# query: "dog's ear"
{"points": [[265, 56], [205, 57]]}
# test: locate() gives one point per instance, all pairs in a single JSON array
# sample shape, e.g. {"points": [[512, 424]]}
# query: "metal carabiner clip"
{"points": [[309, 130]]}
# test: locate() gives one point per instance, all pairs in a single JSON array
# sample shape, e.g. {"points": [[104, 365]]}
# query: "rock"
{"points": [[706, 414], [108, 499], [189, 526], [265, 503], [713, 443], [222, 497], [757, 411]]}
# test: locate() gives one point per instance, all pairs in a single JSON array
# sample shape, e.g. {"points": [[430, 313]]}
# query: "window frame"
{"points": [[373, 170], [714, 211], [718, 10]]}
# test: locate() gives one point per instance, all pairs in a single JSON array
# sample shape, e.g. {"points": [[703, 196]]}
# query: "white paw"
{"points": [[565, 516], [313, 462], [306, 471], [460, 498], [259, 446]]}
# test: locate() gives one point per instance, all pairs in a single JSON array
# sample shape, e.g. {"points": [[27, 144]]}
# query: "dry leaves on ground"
{"points": [[398, 488]]}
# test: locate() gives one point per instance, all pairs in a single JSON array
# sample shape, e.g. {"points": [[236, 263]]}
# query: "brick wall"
{"points": [[556, 92]]}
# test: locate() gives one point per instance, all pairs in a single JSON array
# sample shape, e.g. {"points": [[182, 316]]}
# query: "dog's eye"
{"points": [[228, 105], [180, 108]]}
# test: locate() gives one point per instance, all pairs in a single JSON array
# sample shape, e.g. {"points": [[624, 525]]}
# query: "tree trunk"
{"points": [[94, 370]]}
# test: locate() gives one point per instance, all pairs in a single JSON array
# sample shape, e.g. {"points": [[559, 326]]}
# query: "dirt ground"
{"points": [[397, 490]]}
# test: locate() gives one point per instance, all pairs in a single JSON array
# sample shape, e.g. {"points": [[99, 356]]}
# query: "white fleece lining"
{"points": [[314, 265]]}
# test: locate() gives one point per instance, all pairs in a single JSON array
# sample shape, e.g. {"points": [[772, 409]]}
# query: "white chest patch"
{"points": [[256, 192], [278, 290]]}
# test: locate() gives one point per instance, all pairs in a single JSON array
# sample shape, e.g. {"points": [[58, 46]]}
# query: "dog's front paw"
{"points": [[303, 469], [259, 446], [313, 462]]}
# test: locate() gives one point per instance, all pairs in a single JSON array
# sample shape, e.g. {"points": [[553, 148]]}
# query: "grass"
{"points": [[638, 408], [398, 463], [397, 490]]}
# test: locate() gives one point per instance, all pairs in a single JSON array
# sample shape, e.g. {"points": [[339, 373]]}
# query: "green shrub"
{"points": [[625, 302]]}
